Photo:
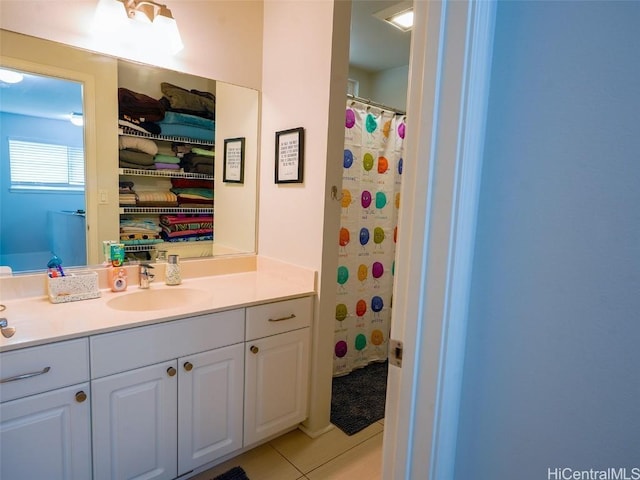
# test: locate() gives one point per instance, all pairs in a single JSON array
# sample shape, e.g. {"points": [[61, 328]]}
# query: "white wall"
{"points": [[305, 61], [551, 372], [388, 87]]}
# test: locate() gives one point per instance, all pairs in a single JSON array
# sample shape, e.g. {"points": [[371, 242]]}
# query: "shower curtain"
{"points": [[372, 169]]}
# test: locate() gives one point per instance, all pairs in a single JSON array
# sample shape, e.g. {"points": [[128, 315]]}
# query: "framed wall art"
{"points": [[233, 169], [290, 155]]}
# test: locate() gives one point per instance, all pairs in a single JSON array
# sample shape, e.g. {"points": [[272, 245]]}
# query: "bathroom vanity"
{"points": [[119, 387]]}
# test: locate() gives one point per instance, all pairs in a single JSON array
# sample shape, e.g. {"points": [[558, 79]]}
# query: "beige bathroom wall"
{"points": [[222, 38], [305, 59]]}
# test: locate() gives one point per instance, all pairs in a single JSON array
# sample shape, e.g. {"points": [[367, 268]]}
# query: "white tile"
{"points": [[307, 453], [260, 463], [364, 461]]}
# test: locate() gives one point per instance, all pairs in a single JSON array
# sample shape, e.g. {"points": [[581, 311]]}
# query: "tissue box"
{"points": [[81, 285]]}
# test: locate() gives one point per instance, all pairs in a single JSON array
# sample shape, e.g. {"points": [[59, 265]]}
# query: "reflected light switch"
{"points": [[103, 197]]}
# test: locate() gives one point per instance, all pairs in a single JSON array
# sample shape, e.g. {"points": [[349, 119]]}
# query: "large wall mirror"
{"points": [[99, 149]]}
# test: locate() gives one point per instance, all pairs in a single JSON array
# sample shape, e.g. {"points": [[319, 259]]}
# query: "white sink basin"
{"points": [[151, 299]]}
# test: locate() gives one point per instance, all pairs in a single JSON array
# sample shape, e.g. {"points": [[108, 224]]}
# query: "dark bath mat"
{"points": [[236, 473], [357, 399]]}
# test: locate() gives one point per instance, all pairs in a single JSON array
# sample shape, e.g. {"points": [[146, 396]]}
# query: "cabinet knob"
{"points": [[171, 371], [188, 366], [254, 349], [81, 396]]}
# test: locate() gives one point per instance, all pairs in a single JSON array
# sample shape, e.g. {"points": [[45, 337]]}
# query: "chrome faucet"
{"points": [[145, 277]]}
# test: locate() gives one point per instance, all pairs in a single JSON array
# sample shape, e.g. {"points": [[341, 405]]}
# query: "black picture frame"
{"points": [[290, 156], [233, 167]]}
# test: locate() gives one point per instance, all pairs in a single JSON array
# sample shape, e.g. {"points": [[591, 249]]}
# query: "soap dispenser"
{"points": [[172, 272]]}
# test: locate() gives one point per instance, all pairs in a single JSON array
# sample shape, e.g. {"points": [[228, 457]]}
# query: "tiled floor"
{"points": [[295, 456]]}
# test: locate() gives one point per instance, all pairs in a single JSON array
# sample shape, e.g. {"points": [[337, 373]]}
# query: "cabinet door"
{"points": [[276, 383], [46, 436], [210, 390], [135, 423]]}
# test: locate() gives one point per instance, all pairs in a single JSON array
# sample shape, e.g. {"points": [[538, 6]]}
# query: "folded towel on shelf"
{"points": [[167, 166], [139, 223], [157, 198], [191, 183], [135, 157], [203, 169], [204, 193], [161, 158], [187, 238], [139, 236], [127, 199], [135, 166], [187, 131], [144, 145], [203, 151], [134, 125], [198, 163], [139, 106], [194, 202], [184, 218], [176, 118], [193, 102]]}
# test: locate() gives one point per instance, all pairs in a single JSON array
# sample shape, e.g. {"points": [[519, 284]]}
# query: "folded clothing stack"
{"points": [[166, 162], [186, 228], [185, 125], [193, 192], [191, 102], [127, 195], [158, 198], [139, 231], [137, 153], [139, 111], [199, 160]]}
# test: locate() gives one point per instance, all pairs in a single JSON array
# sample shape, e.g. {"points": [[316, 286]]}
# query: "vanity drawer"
{"points": [[38, 369], [278, 317], [138, 347]]}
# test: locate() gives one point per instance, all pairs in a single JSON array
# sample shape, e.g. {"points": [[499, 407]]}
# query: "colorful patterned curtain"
{"points": [[372, 164]]}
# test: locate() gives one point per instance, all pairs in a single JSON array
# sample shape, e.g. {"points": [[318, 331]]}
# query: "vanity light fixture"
{"points": [[10, 76], [399, 15], [145, 21], [77, 119], [159, 16]]}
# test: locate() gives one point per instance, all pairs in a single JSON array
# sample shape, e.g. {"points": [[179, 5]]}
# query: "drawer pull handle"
{"points": [[171, 371], [25, 375], [254, 349], [188, 366], [293, 315], [81, 396]]}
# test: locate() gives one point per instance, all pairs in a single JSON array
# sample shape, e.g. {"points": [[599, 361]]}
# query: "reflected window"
{"points": [[45, 166]]}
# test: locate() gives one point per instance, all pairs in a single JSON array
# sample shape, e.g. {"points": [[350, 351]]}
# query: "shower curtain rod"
{"points": [[375, 104]]}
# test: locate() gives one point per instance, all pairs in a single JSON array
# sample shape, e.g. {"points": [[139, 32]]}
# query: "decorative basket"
{"points": [[81, 285]]}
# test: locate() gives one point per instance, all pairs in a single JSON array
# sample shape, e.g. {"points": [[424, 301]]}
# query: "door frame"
{"points": [[448, 94]]}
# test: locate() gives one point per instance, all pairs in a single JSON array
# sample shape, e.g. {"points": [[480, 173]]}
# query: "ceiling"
{"points": [[33, 97], [375, 45]]}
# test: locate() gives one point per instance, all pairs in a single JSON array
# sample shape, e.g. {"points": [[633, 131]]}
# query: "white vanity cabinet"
{"points": [[277, 367], [167, 398], [45, 429]]}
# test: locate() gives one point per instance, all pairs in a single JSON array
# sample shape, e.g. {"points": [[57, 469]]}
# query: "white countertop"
{"points": [[38, 321]]}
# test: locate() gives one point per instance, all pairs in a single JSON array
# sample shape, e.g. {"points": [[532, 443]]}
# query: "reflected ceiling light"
{"points": [[77, 119], [399, 15], [153, 21], [10, 76]]}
